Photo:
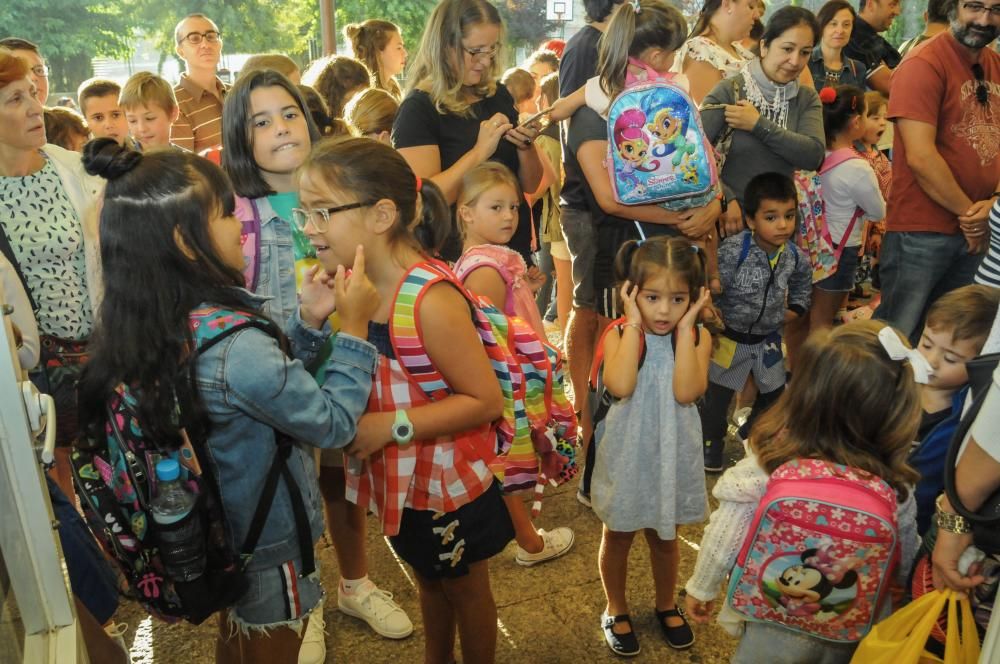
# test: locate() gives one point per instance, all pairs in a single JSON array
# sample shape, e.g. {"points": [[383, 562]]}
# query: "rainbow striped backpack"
{"points": [[536, 436]]}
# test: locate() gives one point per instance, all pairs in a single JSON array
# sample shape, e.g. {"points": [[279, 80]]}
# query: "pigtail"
{"points": [[613, 49], [434, 224], [624, 260]]}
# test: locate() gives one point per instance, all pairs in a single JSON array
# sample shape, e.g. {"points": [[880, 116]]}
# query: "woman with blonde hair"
{"points": [[456, 115], [379, 45], [371, 113]]}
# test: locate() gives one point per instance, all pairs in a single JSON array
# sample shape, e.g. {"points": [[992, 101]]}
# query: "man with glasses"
{"points": [[199, 92], [39, 75], [867, 45], [946, 167]]}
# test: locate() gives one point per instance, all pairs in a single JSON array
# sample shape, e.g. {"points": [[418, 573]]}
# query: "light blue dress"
{"points": [[649, 470]]}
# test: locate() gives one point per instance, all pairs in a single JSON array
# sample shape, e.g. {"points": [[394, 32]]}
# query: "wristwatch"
{"points": [[402, 429], [949, 521]]}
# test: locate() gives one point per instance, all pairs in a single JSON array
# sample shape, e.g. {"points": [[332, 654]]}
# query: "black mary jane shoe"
{"points": [[680, 637], [624, 645]]}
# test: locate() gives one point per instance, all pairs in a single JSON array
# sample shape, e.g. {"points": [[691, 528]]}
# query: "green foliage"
{"points": [[409, 15], [525, 22]]}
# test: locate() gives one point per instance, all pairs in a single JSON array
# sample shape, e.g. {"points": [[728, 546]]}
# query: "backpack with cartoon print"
{"points": [[116, 481], [657, 149], [820, 551]]}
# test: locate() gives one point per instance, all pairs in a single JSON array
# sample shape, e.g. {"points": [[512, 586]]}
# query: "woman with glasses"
{"points": [[456, 114]]}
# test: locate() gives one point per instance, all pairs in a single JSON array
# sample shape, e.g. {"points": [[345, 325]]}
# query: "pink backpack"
{"points": [[820, 551]]}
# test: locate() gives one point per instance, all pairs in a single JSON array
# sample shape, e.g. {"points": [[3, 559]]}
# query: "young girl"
{"points": [[849, 403], [419, 462], [868, 148], [648, 470], [186, 254], [268, 133], [487, 212], [851, 193]]}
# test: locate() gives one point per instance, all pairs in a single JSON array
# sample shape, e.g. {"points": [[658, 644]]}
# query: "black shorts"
{"points": [[442, 545]]}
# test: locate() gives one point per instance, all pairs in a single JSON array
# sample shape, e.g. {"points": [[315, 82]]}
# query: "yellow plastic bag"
{"points": [[900, 638]]}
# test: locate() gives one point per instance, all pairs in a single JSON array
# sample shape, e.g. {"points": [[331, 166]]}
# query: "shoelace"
{"points": [[116, 630], [388, 601]]}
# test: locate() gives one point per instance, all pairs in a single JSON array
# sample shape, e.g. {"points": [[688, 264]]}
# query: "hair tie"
{"points": [[635, 6], [639, 242], [694, 248], [896, 350], [828, 95], [854, 102], [420, 183]]}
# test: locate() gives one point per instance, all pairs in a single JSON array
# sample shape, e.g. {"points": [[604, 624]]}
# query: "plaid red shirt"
{"points": [[439, 475]]}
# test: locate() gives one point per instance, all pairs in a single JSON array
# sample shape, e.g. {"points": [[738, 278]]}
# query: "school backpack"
{"points": [[820, 551], [657, 149], [813, 237], [246, 212], [536, 436], [115, 479]]}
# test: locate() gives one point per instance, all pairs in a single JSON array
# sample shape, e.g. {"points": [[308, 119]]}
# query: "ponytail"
{"points": [[434, 225], [635, 26]]}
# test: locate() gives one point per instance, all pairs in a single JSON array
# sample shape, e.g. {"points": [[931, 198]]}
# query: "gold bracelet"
{"points": [[951, 522], [637, 326]]}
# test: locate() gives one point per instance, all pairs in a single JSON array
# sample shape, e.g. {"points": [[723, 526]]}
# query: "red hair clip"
{"points": [[420, 183], [828, 95]]}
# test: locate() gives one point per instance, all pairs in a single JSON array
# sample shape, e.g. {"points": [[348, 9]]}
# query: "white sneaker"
{"points": [[117, 633], [557, 542], [376, 607], [313, 648]]}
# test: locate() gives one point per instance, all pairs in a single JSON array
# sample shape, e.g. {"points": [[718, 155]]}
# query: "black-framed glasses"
{"points": [[320, 217], [483, 51], [982, 93], [212, 37], [42, 71], [979, 8]]}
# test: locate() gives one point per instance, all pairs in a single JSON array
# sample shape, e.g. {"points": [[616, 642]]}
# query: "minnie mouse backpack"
{"points": [[657, 150], [819, 553]]}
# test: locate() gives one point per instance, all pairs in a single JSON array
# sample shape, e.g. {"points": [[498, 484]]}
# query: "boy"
{"points": [[956, 329], [521, 87], [760, 270], [98, 98], [150, 109]]}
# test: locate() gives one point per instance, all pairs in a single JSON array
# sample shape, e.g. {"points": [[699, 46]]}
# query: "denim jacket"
{"points": [[249, 386], [276, 265]]}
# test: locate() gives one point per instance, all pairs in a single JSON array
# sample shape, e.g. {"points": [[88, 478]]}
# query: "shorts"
{"points": [[442, 545], [609, 303], [559, 250], [847, 269], [277, 597], [581, 240], [331, 458]]}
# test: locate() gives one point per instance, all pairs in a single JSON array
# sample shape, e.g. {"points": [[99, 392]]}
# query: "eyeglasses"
{"points": [[320, 217], [482, 52], [979, 8], [982, 93], [42, 71], [212, 37]]}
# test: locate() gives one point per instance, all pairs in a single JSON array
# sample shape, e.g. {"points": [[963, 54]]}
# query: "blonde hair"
{"points": [[875, 100], [848, 402], [279, 62], [480, 179], [438, 68], [519, 83], [633, 29], [368, 39], [146, 88], [372, 111]]}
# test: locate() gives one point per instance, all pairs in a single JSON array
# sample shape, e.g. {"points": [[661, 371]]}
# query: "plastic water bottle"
{"points": [[182, 547]]}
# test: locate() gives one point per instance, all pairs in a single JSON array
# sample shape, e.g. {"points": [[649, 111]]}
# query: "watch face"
{"points": [[404, 431]]}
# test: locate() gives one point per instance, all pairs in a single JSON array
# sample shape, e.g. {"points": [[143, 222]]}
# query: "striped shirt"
{"points": [[989, 269], [199, 124]]}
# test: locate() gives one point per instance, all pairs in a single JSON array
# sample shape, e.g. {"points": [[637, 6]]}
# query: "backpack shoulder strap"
{"points": [[8, 253], [248, 214], [744, 250], [595, 367], [838, 157], [210, 325]]}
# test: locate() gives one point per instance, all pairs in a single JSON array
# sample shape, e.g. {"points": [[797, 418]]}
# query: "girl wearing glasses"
{"points": [[456, 114], [417, 461], [268, 133]]}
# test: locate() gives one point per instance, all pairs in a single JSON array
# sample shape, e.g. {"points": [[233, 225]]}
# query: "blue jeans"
{"points": [[916, 269]]}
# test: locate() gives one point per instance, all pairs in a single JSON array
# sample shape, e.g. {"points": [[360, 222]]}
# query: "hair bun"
{"points": [[828, 95], [106, 158], [352, 30]]}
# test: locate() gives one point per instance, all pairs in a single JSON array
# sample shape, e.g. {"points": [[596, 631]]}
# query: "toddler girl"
{"points": [[487, 212], [268, 133], [852, 400], [868, 148], [648, 469], [420, 461]]}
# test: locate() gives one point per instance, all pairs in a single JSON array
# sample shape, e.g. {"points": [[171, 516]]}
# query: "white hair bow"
{"points": [[894, 347]]}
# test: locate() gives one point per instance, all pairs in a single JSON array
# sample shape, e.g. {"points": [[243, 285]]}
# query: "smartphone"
{"points": [[536, 116]]}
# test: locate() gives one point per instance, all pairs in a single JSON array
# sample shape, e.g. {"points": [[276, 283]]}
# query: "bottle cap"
{"points": [[167, 470]]}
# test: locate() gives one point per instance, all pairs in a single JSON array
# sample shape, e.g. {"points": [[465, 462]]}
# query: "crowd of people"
{"points": [[271, 282]]}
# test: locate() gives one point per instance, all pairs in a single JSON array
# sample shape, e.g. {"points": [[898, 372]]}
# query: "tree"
{"points": [[69, 33], [526, 23], [409, 15]]}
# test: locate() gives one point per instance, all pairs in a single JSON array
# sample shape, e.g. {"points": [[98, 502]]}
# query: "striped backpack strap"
{"points": [[404, 329]]}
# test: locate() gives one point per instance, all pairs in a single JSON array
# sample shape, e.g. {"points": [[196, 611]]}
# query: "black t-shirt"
{"points": [[870, 47], [586, 125], [418, 123], [578, 64]]}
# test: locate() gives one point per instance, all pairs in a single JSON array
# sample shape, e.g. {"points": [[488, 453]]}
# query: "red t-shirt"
{"points": [[935, 84]]}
